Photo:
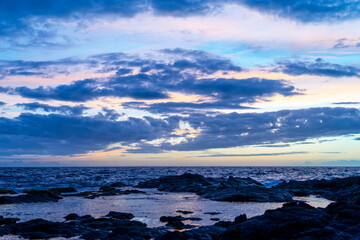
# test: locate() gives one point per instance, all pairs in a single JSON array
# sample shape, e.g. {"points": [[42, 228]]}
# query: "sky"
{"points": [[179, 83]]}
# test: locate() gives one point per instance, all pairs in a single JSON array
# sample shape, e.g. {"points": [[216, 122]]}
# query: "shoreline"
{"points": [[343, 212]]}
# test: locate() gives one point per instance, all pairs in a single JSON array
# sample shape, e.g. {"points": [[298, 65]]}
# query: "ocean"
{"points": [[149, 207]]}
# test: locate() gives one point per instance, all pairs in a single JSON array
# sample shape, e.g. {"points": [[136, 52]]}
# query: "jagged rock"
{"points": [[184, 212], [31, 196], [5, 191], [120, 215], [219, 189]]}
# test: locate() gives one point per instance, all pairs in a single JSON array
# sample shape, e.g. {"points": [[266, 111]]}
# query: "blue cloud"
{"points": [[2, 103], [319, 68], [33, 22], [346, 103], [64, 109], [246, 129], [56, 134], [182, 71]]}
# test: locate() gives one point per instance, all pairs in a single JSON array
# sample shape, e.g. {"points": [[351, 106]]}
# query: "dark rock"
{"points": [[31, 197], [212, 213], [219, 189], [118, 184], [184, 212], [334, 189], [71, 216], [171, 218], [120, 215], [63, 190], [215, 219], [240, 219], [7, 221], [5, 191]]}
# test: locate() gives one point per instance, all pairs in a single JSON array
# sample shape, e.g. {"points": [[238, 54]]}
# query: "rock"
{"points": [[7, 221], [299, 221], [240, 219], [212, 213], [63, 190], [32, 196], [71, 216], [334, 189], [219, 189], [120, 215], [105, 191], [5, 191], [184, 212], [118, 184], [215, 219], [171, 219]]}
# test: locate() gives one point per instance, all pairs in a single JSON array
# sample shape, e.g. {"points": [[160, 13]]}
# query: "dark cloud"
{"points": [[182, 107], [34, 22], [179, 70], [56, 134], [61, 134], [2, 103], [307, 11], [64, 109], [286, 126], [319, 68]]}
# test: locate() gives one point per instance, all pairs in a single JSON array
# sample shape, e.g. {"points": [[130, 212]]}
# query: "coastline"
{"points": [[295, 219]]}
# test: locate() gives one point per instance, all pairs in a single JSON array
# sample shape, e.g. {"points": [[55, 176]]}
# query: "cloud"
{"points": [[176, 71], [2, 103], [64, 109], [318, 68], [56, 134], [35, 22], [308, 11], [247, 129], [346, 43], [346, 103], [61, 134], [254, 154]]}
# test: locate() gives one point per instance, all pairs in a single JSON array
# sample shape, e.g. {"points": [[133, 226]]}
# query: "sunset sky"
{"points": [[179, 82]]}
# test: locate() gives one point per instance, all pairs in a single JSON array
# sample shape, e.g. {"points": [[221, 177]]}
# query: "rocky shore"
{"points": [[295, 220]]}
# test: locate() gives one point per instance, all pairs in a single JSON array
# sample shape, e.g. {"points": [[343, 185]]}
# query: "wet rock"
{"points": [[120, 215], [335, 189], [7, 221], [240, 219], [118, 184], [63, 190], [219, 189], [171, 218], [299, 221], [215, 219], [32, 196], [176, 221], [212, 213], [71, 216], [105, 191], [42, 229], [184, 212], [5, 191]]}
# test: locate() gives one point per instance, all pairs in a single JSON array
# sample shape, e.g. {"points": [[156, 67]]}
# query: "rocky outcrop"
{"points": [[113, 226], [31, 196], [335, 189], [219, 189]]}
